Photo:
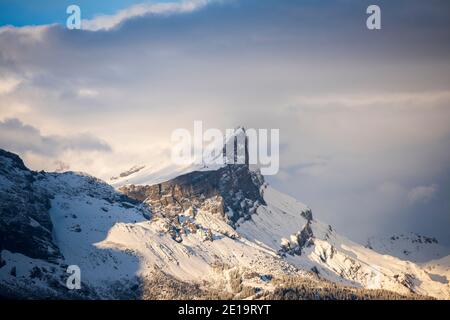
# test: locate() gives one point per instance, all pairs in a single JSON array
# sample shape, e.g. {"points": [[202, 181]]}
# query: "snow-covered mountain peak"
{"points": [[235, 140], [223, 231], [409, 246]]}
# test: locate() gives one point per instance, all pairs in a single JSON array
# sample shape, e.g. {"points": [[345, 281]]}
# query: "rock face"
{"points": [[300, 240], [232, 191], [132, 170], [25, 226]]}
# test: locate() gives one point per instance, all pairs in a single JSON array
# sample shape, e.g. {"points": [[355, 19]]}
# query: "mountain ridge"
{"points": [[223, 231]]}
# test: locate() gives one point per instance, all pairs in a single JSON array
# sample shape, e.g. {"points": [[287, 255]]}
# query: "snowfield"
{"points": [[118, 241], [335, 257]]}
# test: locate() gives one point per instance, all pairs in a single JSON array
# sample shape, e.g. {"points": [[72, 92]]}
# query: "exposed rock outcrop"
{"points": [[25, 226], [232, 191]]}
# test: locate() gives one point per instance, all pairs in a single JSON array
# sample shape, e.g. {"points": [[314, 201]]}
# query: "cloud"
{"points": [[356, 109], [87, 92], [107, 22], [391, 190], [8, 85], [33, 33], [425, 99], [18, 137], [61, 166], [422, 194]]}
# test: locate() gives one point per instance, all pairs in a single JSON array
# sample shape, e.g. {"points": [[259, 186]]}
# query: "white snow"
{"points": [[337, 258], [120, 243], [111, 241], [411, 246]]}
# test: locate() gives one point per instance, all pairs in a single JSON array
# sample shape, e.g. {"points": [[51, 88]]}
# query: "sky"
{"points": [[38, 12], [363, 115]]}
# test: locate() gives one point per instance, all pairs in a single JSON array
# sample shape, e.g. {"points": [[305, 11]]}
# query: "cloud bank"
{"points": [[363, 116], [107, 22], [14, 135]]}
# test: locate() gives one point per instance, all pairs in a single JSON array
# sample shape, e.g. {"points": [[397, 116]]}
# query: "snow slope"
{"points": [[187, 233], [328, 254], [411, 246], [117, 242], [332, 256], [439, 269]]}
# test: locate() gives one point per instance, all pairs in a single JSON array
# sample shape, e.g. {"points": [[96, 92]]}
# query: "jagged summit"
{"points": [[235, 149], [236, 144]]}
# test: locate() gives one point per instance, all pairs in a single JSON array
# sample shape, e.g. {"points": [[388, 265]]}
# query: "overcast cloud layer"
{"points": [[363, 116]]}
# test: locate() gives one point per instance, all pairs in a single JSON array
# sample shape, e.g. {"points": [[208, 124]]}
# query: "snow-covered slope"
{"points": [[117, 240], [287, 226], [411, 246], [118, 243], [439, 269], [224, 230], [424, 251]]}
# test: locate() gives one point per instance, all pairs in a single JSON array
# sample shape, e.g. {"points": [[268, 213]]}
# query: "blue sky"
{"points": [[38, 12]]}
